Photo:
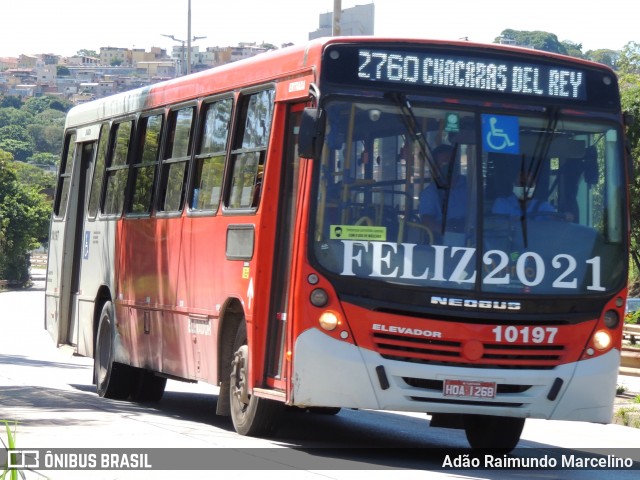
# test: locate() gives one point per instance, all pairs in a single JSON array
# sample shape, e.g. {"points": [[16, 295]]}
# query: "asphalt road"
{"points": [[47, 396]]}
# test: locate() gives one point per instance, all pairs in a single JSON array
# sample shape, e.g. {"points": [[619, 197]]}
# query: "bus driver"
{"points": [[443, 208]]}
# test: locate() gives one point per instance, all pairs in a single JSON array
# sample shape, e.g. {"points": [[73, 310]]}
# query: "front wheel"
{"points": [[113, 380], [251, 415], [487, 432], [147, 386]]}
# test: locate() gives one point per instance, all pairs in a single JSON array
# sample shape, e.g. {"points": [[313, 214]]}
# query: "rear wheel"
{"points": [[113, 380], [250, 415], [486, 432]]}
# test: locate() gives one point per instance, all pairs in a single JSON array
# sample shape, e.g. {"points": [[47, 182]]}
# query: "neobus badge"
{"points": [[472, 303]]}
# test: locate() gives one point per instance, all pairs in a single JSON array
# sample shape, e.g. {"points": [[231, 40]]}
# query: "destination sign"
{"points": [[471, 73]]}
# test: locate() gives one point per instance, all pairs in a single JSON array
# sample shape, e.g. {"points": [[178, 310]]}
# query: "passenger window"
{"points": [[117, 171], [98, 172], [174, 167], [210, 157], [64, 180], [248, 156], [144, 167]]}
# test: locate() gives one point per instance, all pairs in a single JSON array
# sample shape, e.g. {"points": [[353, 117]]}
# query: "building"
{"points": [[8, 63], [113, 56], [358, 20]]}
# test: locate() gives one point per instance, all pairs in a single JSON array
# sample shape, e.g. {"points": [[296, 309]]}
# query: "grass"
{"points": [[627, 420], [11, 444]]}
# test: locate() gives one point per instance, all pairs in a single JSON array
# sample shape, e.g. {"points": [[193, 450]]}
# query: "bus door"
{"points": [[281, 284], [68, 241]]}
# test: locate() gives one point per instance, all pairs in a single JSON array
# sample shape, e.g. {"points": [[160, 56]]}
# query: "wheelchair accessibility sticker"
{"points": [[500, 134]]}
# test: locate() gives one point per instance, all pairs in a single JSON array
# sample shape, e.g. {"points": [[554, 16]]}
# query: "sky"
{"points": [[63, 27]]}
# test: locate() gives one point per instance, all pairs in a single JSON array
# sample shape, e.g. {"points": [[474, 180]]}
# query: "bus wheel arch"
{"points": [[230, 319]]}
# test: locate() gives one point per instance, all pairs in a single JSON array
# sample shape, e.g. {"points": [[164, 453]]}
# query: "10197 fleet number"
{"points": [[512, 334]]}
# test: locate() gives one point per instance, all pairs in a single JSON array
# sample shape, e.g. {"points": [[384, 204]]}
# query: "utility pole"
{"points": [[185, 69], [181, 53], [337, 10], [189, 38]]}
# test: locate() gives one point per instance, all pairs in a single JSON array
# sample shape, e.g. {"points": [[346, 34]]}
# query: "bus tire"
{"points": [[113, 380], [252, 416], [488, 432], [325, 410], [148, 387]]}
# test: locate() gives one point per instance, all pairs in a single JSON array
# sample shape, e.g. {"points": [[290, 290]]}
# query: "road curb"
{"points": [[628, 416]]}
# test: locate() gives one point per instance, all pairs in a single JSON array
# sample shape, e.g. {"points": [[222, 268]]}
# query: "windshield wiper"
{"points": [[540, 153], [447, 187], [411, 123]]}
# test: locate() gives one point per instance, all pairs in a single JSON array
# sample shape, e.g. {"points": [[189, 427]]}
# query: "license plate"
{"points": [[469, 389]]}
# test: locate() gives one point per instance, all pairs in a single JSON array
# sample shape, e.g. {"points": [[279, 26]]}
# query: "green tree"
{"points": [[629, 66], [87, 53], [17, 141], [24, 219], [604, 56], [10, 101], [573, 49], [35, 105], [41, 180], [19, 150], [15, 116], [62, 71], [629, 77], [539, 40], [43, 158], [46, 131]]}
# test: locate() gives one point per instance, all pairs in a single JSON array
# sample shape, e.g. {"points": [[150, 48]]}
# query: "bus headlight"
{"points": [[329, 321], [601, 340]]}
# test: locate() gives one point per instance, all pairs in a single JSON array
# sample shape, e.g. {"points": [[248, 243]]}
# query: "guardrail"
{"points": [[630, 359], [38, 259]]}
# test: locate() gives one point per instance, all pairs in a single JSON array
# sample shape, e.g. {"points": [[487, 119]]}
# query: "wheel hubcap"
{"points": [[239, 387]]}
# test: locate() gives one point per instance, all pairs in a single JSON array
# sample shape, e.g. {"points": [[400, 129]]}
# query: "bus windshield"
{"points": [[440, 196]]}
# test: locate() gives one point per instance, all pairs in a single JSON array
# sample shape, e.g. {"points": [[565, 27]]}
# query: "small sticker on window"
{"points": [[357, 232]]}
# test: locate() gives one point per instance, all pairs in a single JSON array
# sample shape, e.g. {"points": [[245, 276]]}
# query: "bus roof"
{"points": [[285, 63]]}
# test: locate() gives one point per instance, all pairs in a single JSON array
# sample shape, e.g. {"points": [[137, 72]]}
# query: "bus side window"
{"points": [[98, 172], [118, 168], [64, 179], [176, 160], [144, 165], [210, 156], [249, 153]]}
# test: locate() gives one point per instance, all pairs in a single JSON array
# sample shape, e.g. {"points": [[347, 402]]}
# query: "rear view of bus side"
{"points": [[287, 228]]}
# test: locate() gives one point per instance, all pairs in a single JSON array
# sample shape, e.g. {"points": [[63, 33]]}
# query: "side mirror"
{"points": [[311, 133]]}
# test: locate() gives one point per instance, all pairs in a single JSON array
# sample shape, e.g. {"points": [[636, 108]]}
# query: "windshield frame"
{"points": [[473, 109]]}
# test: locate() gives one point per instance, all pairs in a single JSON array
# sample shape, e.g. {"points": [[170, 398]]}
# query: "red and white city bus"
{"points": [[284, 227]]}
